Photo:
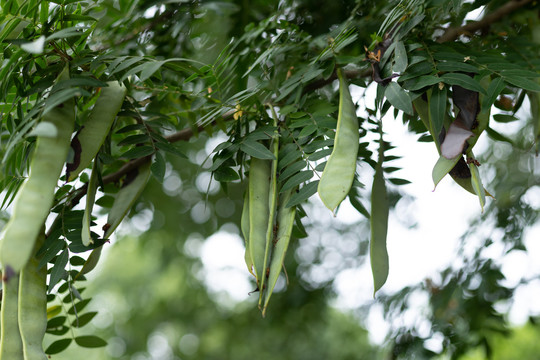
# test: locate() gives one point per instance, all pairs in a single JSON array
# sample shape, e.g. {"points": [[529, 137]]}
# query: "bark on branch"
{"points": [[453, 33]]}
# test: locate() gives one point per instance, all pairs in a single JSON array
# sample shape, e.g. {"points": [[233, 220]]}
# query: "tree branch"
{"points": [[452, 33], [185, 135]]}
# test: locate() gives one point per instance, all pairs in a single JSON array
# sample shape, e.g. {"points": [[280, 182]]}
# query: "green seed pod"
{"points": [[259, 189], [126, 197], [244, 224], [379, 226], [338, 175], [284, 225], [36, 195], [95, 128], [33, 307], [86, 236], [11, 346]]}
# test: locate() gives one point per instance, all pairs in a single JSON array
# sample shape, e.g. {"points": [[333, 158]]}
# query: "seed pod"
{"points": [[284, 225], [338, 175], [244, 224], [95, 128], [86, 235], [379, 226], [126, 197], [11, 346], [259, 189], [33, 306], [36, 195]]}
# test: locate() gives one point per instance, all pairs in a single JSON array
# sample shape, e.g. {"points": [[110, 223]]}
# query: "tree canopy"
{"points": [[193, 117]]}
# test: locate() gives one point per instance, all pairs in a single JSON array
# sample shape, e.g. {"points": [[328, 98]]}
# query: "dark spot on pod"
{"points": [[461, 170], [8, 274]]}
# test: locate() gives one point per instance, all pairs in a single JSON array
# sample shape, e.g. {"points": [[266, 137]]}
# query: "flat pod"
{"points": [[86, 235], [11, 346], [259, 189], [95, 128], [126, 197], [284, 223], [244, 224], [379, 226], [33, 307], [36, 195], [338, 175]]}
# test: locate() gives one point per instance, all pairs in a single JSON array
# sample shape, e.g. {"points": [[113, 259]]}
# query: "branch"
{"points": [[453, 33]]}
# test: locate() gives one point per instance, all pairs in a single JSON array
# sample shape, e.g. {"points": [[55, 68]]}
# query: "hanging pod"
{"points": [[95, 128], [126, 197], [33, 306], [338, 175], [36, 195], [11, 346]]}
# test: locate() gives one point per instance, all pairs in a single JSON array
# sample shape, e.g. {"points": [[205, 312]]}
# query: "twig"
{"points": [[452, 33]]}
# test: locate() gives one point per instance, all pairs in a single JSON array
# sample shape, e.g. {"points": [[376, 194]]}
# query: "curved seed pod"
{"points": [[90, 263], [460, 172], [126, 197], [36, 195], [379, 226], [259, 189], [244, 224], [11, 346], [95, 128], [33, 306], [272, 207], [477, 185], [86, 235], [338, 175], [284, 224]]}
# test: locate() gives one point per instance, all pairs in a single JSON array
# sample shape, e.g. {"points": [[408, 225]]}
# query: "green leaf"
{"points": [[134, 139], [398, 98], [83, 319], [437, 109], [454, 66], [523, 83], [303, 194], [58, 272], [477, 185], [296, 180], [257, 150], [138, 152], [170, 148], [225, 174], [493, 90], [504, 118], [67, 32], [307, 130], [149, 69], [398, 181], [78, 307], [90, 341], [423, 81], [463, 80], [319, 154], [495, 135], [58, 346], [56, 322], [443, 167], [400, 58], [292, 169], [158, 167]]}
